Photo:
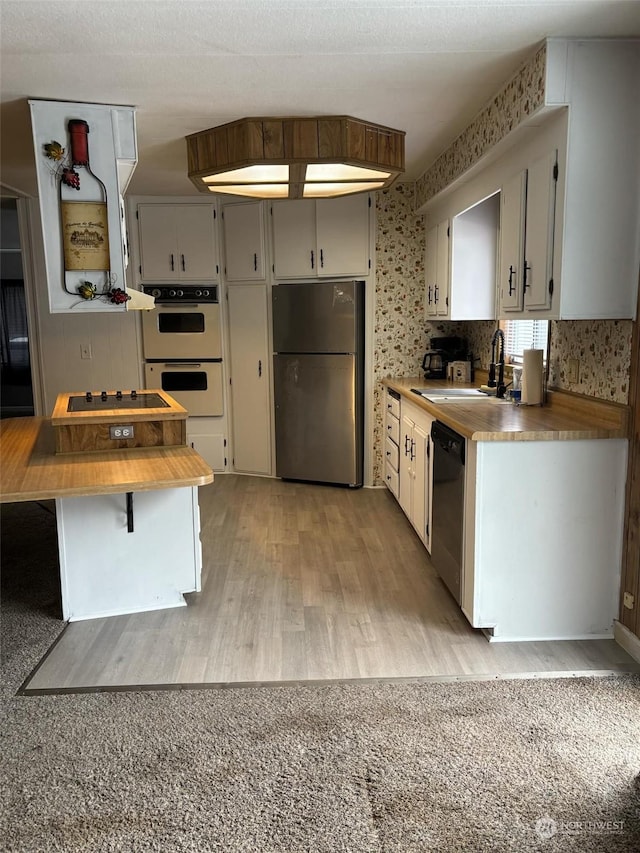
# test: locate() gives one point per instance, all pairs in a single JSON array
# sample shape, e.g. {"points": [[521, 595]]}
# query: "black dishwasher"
{"points": [[448, 505]]}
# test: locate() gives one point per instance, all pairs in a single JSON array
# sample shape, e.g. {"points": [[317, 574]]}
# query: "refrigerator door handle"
{"points": [[259, 367]]}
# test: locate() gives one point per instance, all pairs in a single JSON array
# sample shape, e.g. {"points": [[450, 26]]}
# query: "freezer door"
{"points": [[318, 317], [317, 418]]}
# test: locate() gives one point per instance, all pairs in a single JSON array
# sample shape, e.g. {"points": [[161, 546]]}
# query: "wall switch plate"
{"points": [[119, 432], [85, 351], [573, 371], [628, 601]]}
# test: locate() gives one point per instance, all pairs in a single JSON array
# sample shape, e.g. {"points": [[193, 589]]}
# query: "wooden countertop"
{"points": [[565, 416], [30, 469]]}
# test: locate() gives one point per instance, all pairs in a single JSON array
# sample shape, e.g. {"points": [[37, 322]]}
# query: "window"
{"points": [[524, 334]]}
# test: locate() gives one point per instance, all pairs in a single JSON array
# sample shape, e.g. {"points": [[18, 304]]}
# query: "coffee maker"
{"points": [[443, 351]]}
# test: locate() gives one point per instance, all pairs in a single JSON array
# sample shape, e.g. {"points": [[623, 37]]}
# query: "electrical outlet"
{"points": [[573, 371], [628, 601], [118, 432], [85, 351]]}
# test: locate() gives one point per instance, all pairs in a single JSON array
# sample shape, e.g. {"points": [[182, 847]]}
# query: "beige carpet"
{"points": [[548, 765]]}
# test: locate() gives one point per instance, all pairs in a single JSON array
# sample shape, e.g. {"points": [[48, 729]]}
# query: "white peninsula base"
{"points": [[543, 533], [106, 570]]}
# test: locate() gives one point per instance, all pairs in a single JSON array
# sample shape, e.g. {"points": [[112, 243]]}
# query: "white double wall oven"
{"points": [[183, 347]]}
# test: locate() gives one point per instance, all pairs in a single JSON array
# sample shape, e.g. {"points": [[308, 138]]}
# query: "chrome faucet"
{"points": [[501, 387]]}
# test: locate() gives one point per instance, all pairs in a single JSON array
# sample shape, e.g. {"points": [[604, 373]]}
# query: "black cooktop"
{"points": [[120, 400]]}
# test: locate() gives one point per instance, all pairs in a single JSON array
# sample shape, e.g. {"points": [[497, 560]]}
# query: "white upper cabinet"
{"points": [[177, 242], [526, 280], [244, 245], [513, 198], [437, 270], [83, 224], [323, 237], [569, 180]]}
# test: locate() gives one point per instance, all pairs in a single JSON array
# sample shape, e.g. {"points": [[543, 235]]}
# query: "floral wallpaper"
{"points": [[602, 347], [521, 97]]}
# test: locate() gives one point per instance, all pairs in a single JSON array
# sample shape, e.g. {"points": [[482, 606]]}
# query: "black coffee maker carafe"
{"points": [[443, 351]]}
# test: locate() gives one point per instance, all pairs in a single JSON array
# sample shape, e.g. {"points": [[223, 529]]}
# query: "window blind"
{"points": [[524, 334]]}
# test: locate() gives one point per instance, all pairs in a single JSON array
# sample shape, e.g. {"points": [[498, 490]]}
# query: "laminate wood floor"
{"points": [[304, 582]]}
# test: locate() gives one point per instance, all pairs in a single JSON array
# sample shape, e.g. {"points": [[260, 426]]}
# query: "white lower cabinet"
{"points": [[415, 468], [543, 527], [391, 441], [249, 372], [147, 568], [203, 434]]}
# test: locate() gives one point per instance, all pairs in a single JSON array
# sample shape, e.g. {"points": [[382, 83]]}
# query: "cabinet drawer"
{"points": [[391, 479], [392, 428], [393, 406], [391, 453]]}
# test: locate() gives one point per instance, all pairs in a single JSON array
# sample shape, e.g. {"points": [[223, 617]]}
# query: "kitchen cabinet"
{"points": [[113, 152], [392, 441], [542, 538], [321, 237], [578, 227], [415, 468], [177, 242], [250, 379], [203, 434], [437, 270], [243, 240], [527, 202]]}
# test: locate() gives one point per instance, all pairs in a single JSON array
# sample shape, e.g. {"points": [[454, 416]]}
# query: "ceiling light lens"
{"points": [[253, 190], [272, 174], [327, 190], [342, 172]]}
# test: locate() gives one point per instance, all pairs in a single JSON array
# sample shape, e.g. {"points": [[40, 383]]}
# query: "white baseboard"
{"points": [[625, 638]]}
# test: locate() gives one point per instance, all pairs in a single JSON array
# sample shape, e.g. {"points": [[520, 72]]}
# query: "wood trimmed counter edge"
{"points": [[30, 469], [565, 417]]}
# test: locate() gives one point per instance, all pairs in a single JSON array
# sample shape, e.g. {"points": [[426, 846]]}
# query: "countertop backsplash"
{"points": [[603, 348]]}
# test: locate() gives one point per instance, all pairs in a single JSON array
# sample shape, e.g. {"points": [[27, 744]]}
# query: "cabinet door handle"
{"points": [[172, 265], [525, 283], [255, 262], [512, 286], [429, 295], [259, 367], [413, 444], [406, 445], [321, 257], [312, 259], [435, 294], [182, 262]]}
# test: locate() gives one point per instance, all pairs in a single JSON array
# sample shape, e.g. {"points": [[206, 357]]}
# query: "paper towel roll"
{"points": [[140, 301], [532, 377]]}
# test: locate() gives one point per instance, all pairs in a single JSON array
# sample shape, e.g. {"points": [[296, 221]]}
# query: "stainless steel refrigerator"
{"points": [[318, 371]]}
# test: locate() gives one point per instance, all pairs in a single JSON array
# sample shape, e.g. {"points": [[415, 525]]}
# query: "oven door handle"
{"points": [[178, 364]]}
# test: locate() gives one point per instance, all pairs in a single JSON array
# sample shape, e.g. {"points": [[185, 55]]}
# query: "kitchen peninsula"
{"points": [[128, 518], [543, 507]]}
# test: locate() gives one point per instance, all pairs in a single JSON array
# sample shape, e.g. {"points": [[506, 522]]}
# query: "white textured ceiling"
{"points": [[187, 65]]}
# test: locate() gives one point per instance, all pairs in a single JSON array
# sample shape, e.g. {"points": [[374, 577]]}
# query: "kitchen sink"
{"points": [[455, 395]]}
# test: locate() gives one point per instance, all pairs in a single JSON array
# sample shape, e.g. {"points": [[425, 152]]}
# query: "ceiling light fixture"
{"points": [[319, 157]]}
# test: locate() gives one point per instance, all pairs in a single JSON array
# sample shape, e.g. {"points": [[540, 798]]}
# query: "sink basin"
{"points": [[453, 395]]}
